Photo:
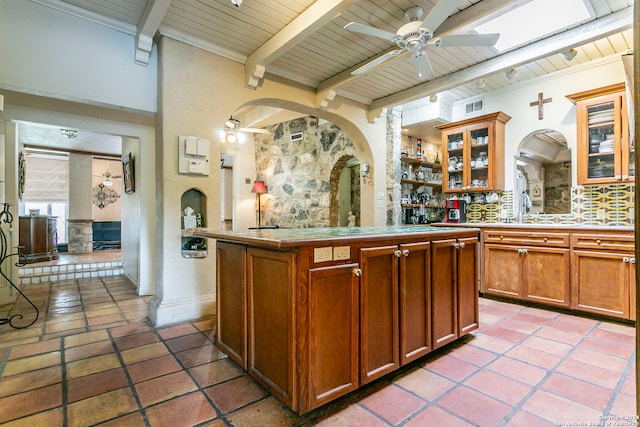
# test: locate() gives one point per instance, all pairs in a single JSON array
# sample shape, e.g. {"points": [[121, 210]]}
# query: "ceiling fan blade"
{"points": [[379, 60], [439, 13], [370, 31], [253, 130], [461, 40], [422, 64]]}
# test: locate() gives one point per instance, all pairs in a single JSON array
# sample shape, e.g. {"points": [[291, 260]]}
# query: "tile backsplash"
{"points": [[590, 205]]}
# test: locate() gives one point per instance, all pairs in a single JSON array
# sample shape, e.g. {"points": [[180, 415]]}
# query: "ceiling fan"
{"points": [[108, 178], [414, 36], [233, 125]]}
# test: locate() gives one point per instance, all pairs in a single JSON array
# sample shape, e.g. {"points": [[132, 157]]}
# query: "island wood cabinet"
{"points": [[454, 289], [313, 323], [604, 274], [528, 265], [605, 153], [473, 154], [38, 238], [591, 271]]}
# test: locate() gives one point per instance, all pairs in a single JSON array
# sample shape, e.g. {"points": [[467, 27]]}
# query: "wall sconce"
{"points": [[511, 73], [364, 169], [569, 54], [480, 83], [433, 98], [259, 187]]}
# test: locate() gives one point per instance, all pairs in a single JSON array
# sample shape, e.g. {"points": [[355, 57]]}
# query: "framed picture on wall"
{"points": [[128, 174]]}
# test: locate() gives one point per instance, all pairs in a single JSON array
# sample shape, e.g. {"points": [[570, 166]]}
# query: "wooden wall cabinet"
{"points": [[528, 265], [473, 154], [605, 153], [38, 238]]}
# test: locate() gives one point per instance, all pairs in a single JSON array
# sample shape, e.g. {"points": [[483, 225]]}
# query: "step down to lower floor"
{"points": [[34, 275]]}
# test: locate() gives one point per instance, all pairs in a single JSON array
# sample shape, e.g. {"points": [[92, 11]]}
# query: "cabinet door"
{"points": [[415, 301], [453, 174], [467, 285], [271, 356], [379, 320], [333, 333], [443, 292], [546, 273], [481, 160], [502, 271], [632, 289], [604, 153], [231, 285], [601, 283]]}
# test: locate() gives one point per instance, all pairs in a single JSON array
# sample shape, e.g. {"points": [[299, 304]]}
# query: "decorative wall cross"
{"points": [[540, 103]]}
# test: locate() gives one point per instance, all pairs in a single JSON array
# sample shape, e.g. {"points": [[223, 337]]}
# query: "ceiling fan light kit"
{"points": [[416, 35]]}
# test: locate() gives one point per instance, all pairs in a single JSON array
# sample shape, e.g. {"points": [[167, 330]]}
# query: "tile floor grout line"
{"points": [[130, 382], [64, 385]]}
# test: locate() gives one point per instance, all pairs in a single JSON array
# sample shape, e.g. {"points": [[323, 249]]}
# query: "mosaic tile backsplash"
{"points": [[592, 205]]}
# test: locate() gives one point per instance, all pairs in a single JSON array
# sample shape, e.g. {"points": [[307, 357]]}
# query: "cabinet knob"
{"points": [[524, 251], [398, 253], [462, 244], [405, 252], [456, 245], [626, 259], [632, 260], [357, 272], [598, 241], [519, 250], [625, 176], [617, 176], [546, 239]]}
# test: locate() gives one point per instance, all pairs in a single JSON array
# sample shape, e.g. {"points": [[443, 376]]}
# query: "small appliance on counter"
{"points": [[456, 211]]}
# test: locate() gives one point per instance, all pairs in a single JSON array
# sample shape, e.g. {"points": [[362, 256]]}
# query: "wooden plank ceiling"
{"points": [[305, 41]]}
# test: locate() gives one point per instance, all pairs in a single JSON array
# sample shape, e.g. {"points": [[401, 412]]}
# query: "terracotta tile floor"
{"points": [[92, 359]]}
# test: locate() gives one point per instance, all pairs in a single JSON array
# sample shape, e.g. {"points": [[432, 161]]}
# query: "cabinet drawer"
{"points": [[527, 238], [615, 242]]}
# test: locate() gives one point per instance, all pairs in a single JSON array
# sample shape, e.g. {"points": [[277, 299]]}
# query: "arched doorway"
{"points": [[345, 191]]}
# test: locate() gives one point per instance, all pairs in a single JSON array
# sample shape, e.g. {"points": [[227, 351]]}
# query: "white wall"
{"points": [[80, 199], [65, 57], [560, 114]]}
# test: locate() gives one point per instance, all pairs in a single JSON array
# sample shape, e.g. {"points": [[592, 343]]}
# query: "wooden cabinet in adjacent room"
{"points": [[38, 238]]}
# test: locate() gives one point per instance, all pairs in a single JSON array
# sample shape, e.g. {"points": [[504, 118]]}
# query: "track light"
{"points": [[433, 98], [236, 3], [569, 54], [512, 73], [480, 83]]}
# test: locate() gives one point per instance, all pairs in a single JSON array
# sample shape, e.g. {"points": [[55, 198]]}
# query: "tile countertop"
{"points": [[295, 237], [517, 225]]}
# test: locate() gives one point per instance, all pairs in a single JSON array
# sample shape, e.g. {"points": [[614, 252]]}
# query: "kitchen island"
{"points": [[314, 314]]}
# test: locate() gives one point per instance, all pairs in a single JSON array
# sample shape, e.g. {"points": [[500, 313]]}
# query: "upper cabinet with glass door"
{"points": [[605, 153], [473, 154]]}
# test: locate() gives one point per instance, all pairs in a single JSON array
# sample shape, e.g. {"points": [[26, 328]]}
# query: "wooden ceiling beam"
{"points": [[149, 23], [305, 25], [604, 27]]}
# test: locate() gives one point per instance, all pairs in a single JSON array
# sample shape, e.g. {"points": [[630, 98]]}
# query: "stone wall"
{"points": [[300, 175]]}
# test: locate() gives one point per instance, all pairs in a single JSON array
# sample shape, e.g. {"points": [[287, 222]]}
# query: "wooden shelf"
{"points": [[415, 182]]}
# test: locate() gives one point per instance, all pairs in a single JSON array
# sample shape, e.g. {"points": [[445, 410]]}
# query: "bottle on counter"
{"points": [[419, 148]]}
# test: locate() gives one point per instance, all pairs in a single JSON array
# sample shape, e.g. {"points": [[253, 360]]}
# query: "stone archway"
{"points": [[334, 191]]}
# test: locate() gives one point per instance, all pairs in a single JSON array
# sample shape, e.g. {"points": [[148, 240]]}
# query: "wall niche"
{"points": [[194, 211]]}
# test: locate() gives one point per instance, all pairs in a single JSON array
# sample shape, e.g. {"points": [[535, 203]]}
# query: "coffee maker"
{"points": [[456, 211]]}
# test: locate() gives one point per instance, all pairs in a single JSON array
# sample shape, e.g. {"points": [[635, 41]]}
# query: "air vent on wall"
{"points": [[296, 136], [474, 106]]}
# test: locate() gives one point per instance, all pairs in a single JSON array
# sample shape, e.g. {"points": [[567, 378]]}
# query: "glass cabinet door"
{"points": [[455, 177], [479, 158], [603, 141]]}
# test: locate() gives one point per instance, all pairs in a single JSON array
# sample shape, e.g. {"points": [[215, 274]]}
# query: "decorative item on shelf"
{"points": [[34, 212], [259, 188], [7, 218], [189, 219], [419, 149]]}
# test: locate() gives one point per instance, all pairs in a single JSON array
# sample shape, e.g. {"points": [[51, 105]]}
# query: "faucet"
{"points": [[525, 205]]}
